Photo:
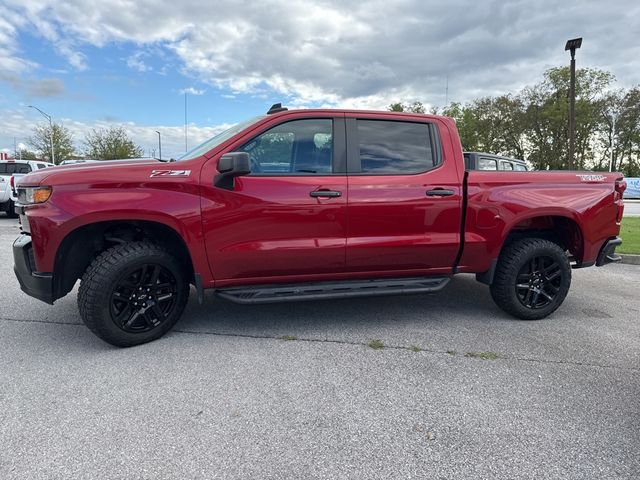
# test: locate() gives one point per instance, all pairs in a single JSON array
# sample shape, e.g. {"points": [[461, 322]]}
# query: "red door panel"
{"points": [[393, 225], [272, 226], [398, 222]]}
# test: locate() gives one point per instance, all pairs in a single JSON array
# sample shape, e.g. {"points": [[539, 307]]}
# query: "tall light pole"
{"points": [[48, 117], [159, 143], [572, 45], [185, 120]]}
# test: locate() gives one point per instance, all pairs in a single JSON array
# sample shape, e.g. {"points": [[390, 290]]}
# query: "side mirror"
{"points": [[230, 166]]}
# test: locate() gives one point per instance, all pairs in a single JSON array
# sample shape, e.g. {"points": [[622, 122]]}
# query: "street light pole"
{"points": [[159, 143], [613, 134], [48, 117], [572, 45]]}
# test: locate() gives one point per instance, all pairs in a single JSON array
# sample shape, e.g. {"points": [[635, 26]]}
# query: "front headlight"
{"points": [[30, 195]]}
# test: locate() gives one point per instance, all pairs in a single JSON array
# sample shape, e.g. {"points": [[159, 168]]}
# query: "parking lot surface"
{"points": [[460, 389]]}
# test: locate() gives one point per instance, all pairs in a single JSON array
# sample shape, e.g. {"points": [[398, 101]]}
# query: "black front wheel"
{"points": [[532, 278], [132, 293]]}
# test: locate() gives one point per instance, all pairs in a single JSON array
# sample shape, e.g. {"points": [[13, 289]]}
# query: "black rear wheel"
{"points": [[532, 278], [11, 212], [132, 293]]}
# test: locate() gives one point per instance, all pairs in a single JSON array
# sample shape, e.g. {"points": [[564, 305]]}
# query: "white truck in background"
{"points": [[10, 171]]}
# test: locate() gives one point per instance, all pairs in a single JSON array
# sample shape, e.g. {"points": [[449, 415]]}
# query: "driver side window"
{"points": [[299, 147]]}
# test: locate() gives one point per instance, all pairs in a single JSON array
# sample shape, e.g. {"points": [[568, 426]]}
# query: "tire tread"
{"points": [[502, 288], [97, 275]]}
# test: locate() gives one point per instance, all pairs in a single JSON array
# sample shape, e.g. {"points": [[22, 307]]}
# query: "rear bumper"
{"points": [[36, 284], [608, 252]]}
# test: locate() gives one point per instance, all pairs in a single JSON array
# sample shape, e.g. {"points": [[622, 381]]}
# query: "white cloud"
{"points": [[347, 52], [191, 91], [20, 124], [136, 62], [11, 63]]}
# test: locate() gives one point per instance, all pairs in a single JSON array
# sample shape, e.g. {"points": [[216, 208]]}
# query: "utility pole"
{"points": [[613, 135], [185, 120], [48, 117], [446, 93], [159, 143], [572, 45]]}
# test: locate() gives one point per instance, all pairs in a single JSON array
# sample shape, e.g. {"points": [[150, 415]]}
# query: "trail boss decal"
{"points": [[591, 178], [170, 173]]}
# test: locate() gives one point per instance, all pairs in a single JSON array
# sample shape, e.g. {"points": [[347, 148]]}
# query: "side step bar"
{"points": [[322, 290]]}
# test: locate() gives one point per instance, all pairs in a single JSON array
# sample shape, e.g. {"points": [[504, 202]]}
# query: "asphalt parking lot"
{"points": [[225, 396]]}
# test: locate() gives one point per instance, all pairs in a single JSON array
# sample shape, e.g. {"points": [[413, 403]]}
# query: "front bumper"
{"points": [[608, 252], [36, 284]]}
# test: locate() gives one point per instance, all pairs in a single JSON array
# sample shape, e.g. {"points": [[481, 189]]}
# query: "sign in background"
{"points": [[633, 188]]}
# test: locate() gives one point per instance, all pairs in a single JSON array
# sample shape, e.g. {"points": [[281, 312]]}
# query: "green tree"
{"points": [[466, 122], [492, 125], [415, 107], [40, 141], [25, 154], [620, 132], [533, 124], [110, 144], [547, 116]]}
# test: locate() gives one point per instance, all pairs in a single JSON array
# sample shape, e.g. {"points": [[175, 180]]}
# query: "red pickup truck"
{"points": [[307, 204]]}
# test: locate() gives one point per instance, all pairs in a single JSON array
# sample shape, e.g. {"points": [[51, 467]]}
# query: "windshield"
{"points": [[213, 142]]}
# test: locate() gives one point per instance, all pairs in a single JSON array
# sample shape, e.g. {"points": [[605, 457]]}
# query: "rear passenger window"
{"points": [[396, 147], [520, 168], [23, 168], [506, 166], [487, 164]]}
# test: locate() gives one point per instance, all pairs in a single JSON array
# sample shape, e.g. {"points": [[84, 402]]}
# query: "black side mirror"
{"points": [[230, 166]]}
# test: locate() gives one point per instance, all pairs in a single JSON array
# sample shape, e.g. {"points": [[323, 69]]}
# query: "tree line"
{"points": [[533, 124], [99, 144]]}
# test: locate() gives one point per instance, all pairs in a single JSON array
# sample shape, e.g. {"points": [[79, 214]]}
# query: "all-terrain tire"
{"points": [[532, 278], [109, 287]]}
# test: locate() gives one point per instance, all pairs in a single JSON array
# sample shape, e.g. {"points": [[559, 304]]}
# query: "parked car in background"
{"points": [[10, 171], [488, 161]]}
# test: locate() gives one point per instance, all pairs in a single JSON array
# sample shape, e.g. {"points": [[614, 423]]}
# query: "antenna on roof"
{"points": [[276, 107]]}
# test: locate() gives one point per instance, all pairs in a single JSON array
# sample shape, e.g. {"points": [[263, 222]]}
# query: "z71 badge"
{"points": [[170, 173]]}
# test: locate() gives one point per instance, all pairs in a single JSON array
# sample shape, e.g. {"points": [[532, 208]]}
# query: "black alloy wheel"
{"points": [[539, 282], [143, 298], [133, 293], [532, 278]]}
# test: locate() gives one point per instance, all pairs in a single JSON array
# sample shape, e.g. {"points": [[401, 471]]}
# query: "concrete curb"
{"points": [[630, 259]]}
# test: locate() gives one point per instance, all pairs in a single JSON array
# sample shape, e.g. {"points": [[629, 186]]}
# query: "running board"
{"points": [[317, 291]]}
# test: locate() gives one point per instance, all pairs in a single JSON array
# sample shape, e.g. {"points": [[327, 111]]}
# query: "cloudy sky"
{"points": [[129, 62]]}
